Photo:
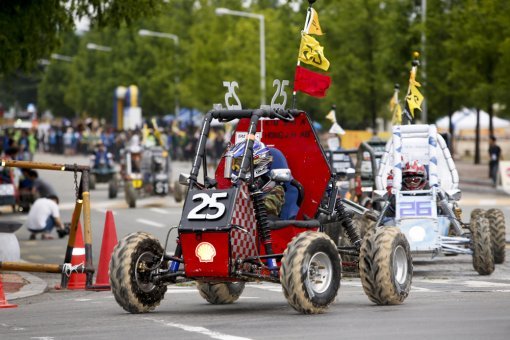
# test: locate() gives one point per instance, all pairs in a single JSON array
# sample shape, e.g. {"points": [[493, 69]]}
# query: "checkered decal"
{"points": [[243, 216]]}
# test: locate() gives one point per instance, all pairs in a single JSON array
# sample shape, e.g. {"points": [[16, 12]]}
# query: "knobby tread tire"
{"points": [[376, 266], [130, 194], [92, 181], [498, 233], [220, 293], [294, 272], [483, 260], [125, 289]]}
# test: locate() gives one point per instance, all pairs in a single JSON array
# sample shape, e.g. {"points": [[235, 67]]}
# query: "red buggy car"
{"points": [[225, 238]]}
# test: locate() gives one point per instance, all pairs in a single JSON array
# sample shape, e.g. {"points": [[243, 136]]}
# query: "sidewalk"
{"points": [[473, 179]]}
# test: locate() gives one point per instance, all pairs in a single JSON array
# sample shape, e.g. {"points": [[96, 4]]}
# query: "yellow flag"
{"points": [[331, 116], [310, 52], [414, 99], [314, 27], [396, 110]]}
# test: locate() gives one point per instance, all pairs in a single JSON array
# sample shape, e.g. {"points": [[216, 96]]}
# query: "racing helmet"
{"points": [[262, 158], [414, 176]]}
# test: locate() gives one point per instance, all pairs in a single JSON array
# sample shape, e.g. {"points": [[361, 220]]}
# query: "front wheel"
{"points": [[310, 272], [498, 232], [483, 260], [133, 262], [220, 293], [386, 267]]}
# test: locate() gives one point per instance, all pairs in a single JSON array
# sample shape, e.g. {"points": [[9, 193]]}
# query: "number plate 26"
{"points": [[416, 207], [207, 209]]}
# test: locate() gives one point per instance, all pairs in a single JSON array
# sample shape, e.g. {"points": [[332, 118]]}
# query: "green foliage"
{"points": [[31, 30], [369, 44]]}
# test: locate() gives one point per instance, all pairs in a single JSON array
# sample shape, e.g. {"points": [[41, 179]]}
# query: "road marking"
{"points": [[149, 222], [104, 210], [160, 211], [485, 202], [199, 330], [485, 284]]}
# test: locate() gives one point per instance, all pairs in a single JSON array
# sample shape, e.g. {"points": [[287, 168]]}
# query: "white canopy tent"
{"points": [[465, 119]]}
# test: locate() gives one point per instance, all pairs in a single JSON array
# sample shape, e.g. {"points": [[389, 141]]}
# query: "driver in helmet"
{"points": [[414, 176], [102, 156], [274, 193]]}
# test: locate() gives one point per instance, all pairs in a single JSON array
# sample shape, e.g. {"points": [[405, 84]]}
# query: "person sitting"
{"points": [[274, 193], [43, 217], [414, 176], [102, 157]]}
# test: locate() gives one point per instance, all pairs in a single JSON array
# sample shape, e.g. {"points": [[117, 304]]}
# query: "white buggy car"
{"points": [[431, 218]]}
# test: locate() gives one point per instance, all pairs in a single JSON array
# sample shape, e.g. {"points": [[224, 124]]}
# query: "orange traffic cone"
{"points": [[78, 280], [109, 242], [3, 301]]}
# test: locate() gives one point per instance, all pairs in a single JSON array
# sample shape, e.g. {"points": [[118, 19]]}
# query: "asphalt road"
{"points": [[449, 300]]}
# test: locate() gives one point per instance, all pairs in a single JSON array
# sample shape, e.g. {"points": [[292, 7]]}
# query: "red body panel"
{"points": [[209, 263], [297, 141]]}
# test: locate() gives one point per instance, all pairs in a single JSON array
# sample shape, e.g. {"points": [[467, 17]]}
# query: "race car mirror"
{"points": [[280, 92]]}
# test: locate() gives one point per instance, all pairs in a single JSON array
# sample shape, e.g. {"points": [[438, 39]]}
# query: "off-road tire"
{"points": [[113, 188], [483, 260], [310, 272], [220, 293], [178, 192], [132, 288], [92, 182], [386, 267], [497, 226], [130, 194], [474, 215]]}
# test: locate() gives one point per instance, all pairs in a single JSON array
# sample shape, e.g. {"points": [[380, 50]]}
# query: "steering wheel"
{"points": [[288, 117]]}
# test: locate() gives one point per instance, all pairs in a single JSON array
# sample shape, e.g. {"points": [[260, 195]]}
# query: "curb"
{"points": [[35, 286]]}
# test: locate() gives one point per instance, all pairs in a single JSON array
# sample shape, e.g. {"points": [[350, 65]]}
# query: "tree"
{"points": [[32, 30]]}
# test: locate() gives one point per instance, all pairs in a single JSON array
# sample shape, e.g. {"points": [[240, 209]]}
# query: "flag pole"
{"points": [[408, 117], [306, 29]]}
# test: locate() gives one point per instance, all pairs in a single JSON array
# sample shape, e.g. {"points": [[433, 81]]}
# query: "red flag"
{"points": [[311, 83]]}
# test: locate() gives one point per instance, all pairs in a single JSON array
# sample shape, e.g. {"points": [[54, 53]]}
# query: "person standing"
{"points": [[43, 217], [495, 156]]}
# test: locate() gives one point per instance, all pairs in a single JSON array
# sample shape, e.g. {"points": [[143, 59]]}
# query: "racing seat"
{"points": [[293, 190]]}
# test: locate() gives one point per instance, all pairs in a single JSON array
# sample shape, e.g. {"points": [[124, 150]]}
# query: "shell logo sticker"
{"points": [[205, 252]]}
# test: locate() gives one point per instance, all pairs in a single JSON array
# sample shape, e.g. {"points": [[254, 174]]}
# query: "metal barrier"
{"points": [[82, 201]]}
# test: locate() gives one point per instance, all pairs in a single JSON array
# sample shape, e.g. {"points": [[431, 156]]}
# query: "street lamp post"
{"points": [[175, 38], [226, 11]]}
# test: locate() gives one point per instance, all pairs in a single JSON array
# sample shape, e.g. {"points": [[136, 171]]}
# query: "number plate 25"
{"points": [[207, 209]]}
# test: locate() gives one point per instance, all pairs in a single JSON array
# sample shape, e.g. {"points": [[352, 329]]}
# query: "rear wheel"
{"points": [[132, 264], [130, 194], [497, 226], [178, 192], [220, 293], [483, 261], [310, 272], [113, 187], [386, 267], [92, 181]]}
